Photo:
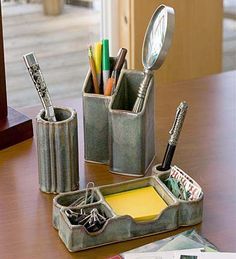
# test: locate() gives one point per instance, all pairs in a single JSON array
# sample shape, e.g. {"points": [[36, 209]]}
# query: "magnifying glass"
{"points": [[156, 43]]}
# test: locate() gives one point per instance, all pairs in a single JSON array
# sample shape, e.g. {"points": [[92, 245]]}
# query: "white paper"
{"points": [[180, 243], [208, 255], [162, 255]]}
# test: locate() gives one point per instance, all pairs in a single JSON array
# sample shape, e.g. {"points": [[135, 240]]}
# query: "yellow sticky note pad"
{"points": [[141, 204]]}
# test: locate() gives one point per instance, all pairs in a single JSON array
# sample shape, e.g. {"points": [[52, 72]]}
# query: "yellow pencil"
{"points": [[98, 60], [93, 70]]}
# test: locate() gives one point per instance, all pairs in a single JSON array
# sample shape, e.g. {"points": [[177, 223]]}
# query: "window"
{"points": [[59, 42]]}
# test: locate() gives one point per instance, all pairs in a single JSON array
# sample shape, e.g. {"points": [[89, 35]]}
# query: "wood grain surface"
{"points": [[196, 48], [206, 151]]}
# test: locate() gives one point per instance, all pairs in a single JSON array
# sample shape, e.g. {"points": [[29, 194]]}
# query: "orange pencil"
{"points": [[109, 86], [93, 70]]}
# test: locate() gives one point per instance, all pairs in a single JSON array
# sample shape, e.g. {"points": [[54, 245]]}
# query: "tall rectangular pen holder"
{"points": [[57, 146], [132, 138], [96, 125]]}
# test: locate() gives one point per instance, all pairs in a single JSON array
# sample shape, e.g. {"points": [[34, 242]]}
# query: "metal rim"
{"points": [[168, 14]]}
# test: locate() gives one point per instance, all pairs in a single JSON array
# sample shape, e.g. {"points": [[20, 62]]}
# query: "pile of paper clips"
{"points": [[92, 219]]}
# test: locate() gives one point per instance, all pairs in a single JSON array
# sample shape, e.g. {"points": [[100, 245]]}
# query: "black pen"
{"points": [[174, 136]]}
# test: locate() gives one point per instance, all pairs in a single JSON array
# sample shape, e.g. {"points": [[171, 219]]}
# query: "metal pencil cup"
{"points": [[95, 109], [57, 146], [96, 125], [132, 138]]}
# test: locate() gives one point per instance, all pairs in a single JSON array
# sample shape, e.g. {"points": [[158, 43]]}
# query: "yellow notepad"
{"points": [[142, 204]]}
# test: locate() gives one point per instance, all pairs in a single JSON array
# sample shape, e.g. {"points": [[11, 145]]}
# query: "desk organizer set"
{"points": [[119, 131]]}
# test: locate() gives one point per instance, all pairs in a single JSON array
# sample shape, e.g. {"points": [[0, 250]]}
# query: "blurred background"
{"points": [[59, 32]]}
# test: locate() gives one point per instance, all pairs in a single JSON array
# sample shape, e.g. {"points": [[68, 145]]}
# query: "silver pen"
{"points": [[174, 136], [40, 85]]}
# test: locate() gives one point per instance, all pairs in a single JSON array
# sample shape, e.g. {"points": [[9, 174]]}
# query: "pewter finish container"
{"points": [[65, 200], [96, 125], [121, 228], [57, 147], [190, 212], [132, 138], [117, 228], [77, 238]]}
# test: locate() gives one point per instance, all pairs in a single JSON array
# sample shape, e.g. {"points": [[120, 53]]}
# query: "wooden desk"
{"points": [[206, 150]]}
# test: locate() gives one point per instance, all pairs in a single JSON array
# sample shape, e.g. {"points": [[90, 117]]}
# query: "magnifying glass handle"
{"points": [[142, 91]]}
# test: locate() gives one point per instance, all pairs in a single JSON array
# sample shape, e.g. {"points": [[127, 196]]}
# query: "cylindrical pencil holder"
{"points": [[132, 138], [57, 146], [96, 124]]}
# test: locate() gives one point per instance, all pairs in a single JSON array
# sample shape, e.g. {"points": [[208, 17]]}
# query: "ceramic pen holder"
{"points": [[57, 146], [132, 137], [96, 125]]}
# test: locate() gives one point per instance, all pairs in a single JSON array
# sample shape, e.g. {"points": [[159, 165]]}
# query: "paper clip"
{"points": [[89, 186], [92, 221], [77, 203], [87, 199]]}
